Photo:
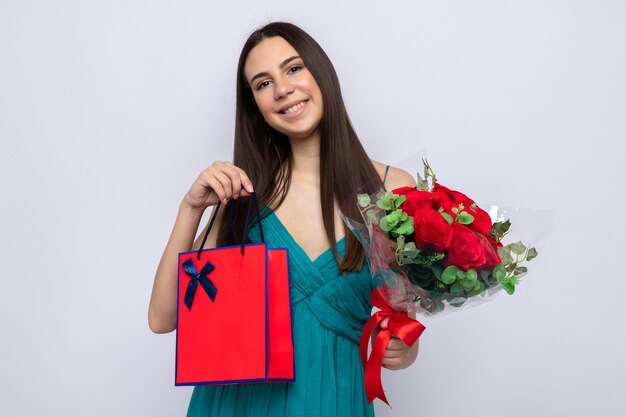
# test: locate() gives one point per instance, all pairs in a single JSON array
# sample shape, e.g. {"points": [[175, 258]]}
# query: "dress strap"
{"points": [[385, 177]]}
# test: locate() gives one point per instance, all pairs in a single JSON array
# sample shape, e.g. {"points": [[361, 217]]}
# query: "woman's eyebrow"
{"points": [[282, 64]]}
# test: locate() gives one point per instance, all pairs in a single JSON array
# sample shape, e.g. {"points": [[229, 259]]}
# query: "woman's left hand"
{"points": [[398, 355]]}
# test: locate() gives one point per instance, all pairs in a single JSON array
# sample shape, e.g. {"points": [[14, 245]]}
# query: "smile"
{"points": [[295, 109]]}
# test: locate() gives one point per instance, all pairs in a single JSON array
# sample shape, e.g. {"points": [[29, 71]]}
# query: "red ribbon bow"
{"points": [[407, 329]]}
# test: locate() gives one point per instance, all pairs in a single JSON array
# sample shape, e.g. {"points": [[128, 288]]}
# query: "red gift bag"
{"points": [[234, 314]]}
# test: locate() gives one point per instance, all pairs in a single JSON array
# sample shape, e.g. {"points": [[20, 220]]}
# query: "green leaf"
{"points": [[383, 205], [385, 202], [495, 234], [449, 275], [520, 270], [511, 267], [532, 254], [455, 210], [438, 271], [465, 218], [391, 219], [363, 200], [499, 229], [410, 246], [517, 248], [422, 184], [398, 199], [499, 272], [502, 227], [467, 283], [460, 274], [410, 250], [406, 228], [404, 216], [513, 280], [384, 225], [469, 279], [508, 287], [472, 274], [448, 218], [478, 287], [504, 252], [457, 289]]}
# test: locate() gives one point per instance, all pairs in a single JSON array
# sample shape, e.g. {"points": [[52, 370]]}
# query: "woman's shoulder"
{"points": [[396, 177]]}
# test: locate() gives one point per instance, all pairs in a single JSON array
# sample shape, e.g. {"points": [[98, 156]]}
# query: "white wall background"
{"points": [[110, 109]]}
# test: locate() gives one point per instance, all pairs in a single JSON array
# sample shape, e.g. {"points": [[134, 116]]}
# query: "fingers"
{"points": [[245, 181], [397, 354], [396, 344], [395, 363], [220, 183], [384, 324], [227, 181], [237, 176], [396, 357]]}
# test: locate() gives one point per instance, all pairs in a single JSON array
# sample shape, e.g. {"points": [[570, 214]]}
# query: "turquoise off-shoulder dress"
{"points": [[329, 311]]}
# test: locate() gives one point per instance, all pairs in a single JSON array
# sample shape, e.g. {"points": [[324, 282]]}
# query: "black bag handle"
{"points": [[230, 223]]}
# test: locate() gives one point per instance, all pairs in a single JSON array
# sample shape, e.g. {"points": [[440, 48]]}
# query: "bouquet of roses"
{"points": [[434, 250]]}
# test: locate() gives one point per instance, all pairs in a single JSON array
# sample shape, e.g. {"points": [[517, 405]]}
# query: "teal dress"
{"points": [[329, 311]]}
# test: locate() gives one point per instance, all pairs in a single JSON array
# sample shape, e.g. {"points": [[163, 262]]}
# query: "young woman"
{"points": [[296, 148]]}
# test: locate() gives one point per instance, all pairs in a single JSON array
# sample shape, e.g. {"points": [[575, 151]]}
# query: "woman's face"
{"points": [[284, 90]]}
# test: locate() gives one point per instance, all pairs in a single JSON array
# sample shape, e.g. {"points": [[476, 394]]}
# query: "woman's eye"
{"points": [[295, 68], [262, 85]]}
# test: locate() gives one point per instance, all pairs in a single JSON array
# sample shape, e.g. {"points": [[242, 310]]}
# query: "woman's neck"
{"points": [[306, 157]]}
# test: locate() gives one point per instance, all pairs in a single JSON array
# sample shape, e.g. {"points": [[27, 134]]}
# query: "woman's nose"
{"points": [[283, 87]]}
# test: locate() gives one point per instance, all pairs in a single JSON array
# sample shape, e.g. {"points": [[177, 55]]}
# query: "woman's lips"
{"points": [[296, 112]]}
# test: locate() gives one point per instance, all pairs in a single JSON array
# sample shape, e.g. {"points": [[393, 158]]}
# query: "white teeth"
{"points": [[294, 108]]}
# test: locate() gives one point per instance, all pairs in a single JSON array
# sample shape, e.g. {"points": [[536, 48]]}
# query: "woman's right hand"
{"points": [[219, 182]]}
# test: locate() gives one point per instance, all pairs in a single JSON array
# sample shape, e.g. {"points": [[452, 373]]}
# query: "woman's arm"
{"points": [[396, 177], [219, 182], [162, 309]]}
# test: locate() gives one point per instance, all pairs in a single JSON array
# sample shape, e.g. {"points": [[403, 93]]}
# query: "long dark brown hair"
{"points": [[346, 166]]}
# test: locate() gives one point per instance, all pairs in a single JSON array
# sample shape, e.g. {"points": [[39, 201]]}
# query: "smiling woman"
{"points": [[296, 148], [286, 93]]}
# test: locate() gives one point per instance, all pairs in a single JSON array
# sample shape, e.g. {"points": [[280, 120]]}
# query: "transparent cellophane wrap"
{"points": [[401, 288]]}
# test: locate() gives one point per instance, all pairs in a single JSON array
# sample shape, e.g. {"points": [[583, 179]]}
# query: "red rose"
{"points": [[415, 199], [467, 250], [494, 243], [482, 221], [449, 198], [491, 253], [432, 231], [452, 195]]}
